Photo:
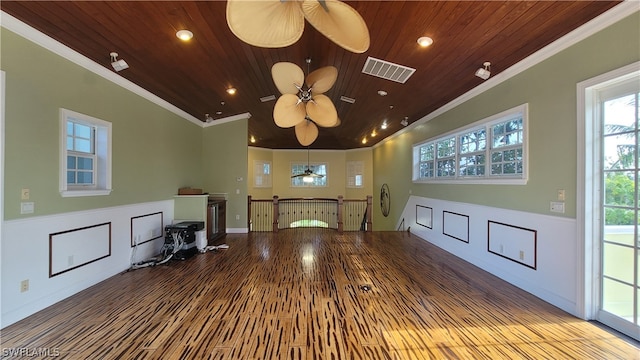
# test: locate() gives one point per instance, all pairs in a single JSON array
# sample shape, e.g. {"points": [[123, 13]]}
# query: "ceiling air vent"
{"points": [[387, 70], [267, 98], [347, 99]]}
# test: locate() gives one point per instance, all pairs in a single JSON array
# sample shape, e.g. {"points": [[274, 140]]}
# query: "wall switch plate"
{"points": [[561, 194], [24, 285], [25, 194], [557, 206], [27, 207]]}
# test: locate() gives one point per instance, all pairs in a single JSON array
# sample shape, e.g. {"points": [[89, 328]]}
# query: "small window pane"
{"points": [[446, 168], [83, 145], [69, 128], [426, 153], [358, 180], [619, 114], [507, 133], [71, 177], [85, 163], [71, 162], [82, 131], [85, 177], [473, 141], [447, 147]]}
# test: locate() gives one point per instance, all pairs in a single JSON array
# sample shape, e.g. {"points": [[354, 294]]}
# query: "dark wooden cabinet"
{"points": [[216, 219]]}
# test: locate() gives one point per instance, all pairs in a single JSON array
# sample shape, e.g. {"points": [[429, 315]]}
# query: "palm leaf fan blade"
{"points": [[321, 80], [265, 23], [341, 24], [288, 111], [306, 133], [322, 111], [287, 77]]}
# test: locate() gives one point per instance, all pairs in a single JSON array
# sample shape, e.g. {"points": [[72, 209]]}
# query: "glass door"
{"points": [[619, 292]]}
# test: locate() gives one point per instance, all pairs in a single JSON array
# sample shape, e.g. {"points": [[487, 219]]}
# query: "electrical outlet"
{"points": [[70, 260], [521, 255], [237, 217], [557, 206], [24, 285]]}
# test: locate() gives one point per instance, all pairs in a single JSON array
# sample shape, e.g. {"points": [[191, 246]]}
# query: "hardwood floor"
{"points": [[299, 294]]}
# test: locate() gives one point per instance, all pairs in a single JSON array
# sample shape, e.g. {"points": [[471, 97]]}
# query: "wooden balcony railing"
{"points": [[340, 214]]}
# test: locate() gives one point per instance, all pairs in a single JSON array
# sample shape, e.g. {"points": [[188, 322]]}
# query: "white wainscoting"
{"points": [[555, 275], [25, 255]]}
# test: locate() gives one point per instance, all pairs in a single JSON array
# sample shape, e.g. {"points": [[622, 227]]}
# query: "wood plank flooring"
{"points": [[298, 295]]}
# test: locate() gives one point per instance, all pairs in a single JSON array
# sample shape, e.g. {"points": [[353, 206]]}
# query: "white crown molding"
{"points": [[597, 24], [11, 23], [227, 119]]}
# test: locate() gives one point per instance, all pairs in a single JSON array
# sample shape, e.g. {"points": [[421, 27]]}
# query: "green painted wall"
{"points": [[225, 167], [550, 90], [154, 151]]}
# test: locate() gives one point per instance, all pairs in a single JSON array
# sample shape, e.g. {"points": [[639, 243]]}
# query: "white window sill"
{"points": [[78, 193]]}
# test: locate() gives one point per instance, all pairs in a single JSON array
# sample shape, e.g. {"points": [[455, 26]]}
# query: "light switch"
{"points": [[24, 194], [561, 194]]}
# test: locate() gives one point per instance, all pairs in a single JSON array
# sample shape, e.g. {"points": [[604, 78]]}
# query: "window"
{"points": [[85, 156], [491, 150], [262, 174], [355, 174], [309, 181]]}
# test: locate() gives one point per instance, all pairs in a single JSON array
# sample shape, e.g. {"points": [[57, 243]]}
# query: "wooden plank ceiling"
{"points": [[194, 75]]}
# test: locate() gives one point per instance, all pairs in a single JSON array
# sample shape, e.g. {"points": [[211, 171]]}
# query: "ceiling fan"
{"points": [[303, 104], [280, 23], [308, 175]]}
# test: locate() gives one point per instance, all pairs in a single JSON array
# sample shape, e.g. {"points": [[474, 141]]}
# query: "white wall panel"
{"points": [[25, 256], [554, 277]]}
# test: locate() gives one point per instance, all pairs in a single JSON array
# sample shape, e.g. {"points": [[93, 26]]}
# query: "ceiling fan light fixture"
{"points": [[184, 35], [307, 179], [425, 41]]}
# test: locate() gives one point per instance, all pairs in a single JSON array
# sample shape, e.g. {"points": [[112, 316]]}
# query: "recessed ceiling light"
{"points": [[382, 93], [384, 125], [231, 91], [425, 41], [252, 139], [184, 35], [364, 140]]}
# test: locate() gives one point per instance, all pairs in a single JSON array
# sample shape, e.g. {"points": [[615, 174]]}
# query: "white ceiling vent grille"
{"points": [[387, 70]]}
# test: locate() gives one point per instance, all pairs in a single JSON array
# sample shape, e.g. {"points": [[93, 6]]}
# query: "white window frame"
{"points": [[486, 178], [261, 179], [102, 155], [312, 166], [355, 174]]}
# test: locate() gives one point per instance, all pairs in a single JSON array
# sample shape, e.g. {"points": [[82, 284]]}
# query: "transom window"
{"points": [[487, 151], [85, 155]]}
